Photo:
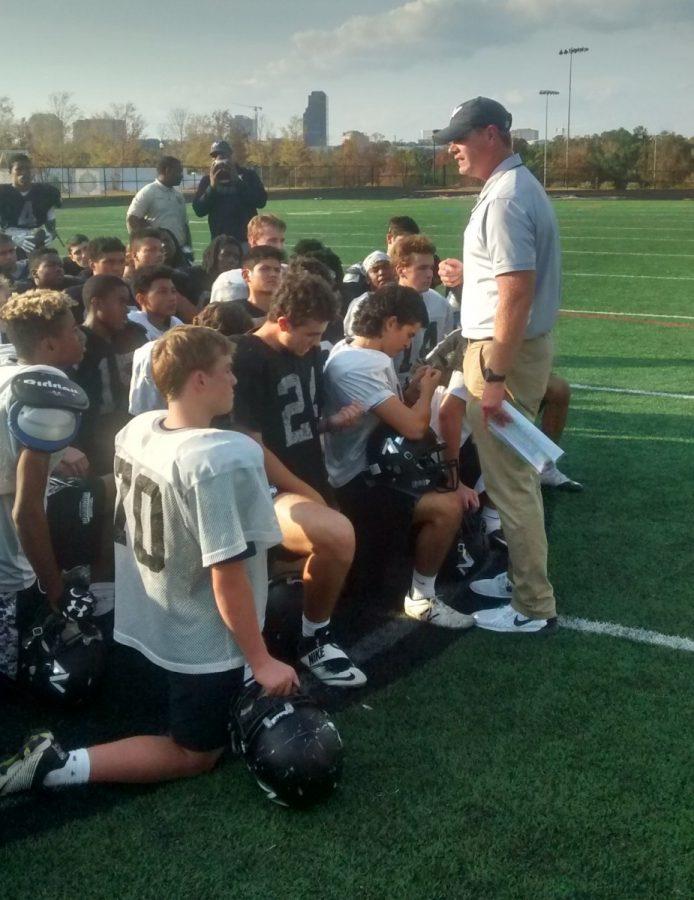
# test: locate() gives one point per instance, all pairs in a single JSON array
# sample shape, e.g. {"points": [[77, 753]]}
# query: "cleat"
{"points": [[328, 662], [497, 588], [27, 769], [434, 611]]}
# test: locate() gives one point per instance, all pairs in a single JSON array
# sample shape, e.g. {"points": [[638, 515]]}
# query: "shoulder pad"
{"points": [[45, 410], [48, 390]]}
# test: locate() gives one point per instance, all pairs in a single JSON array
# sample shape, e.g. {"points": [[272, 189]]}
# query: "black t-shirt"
{"points": [[29, 210], [100, 377], [255, 312], [280, 395]]}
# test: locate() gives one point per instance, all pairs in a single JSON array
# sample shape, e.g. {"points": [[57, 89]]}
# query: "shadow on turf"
{"points": [[133, 699]]}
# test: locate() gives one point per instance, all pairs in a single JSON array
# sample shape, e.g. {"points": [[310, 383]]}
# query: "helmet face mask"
{"points": [[411, 466], [290, 746]]}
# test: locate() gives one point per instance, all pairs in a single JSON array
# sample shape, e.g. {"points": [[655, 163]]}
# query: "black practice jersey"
{"points": [[29, 210], [280, 395]]}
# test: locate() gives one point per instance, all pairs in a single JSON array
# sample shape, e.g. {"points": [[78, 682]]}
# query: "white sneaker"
{"points": [[497, 588], [551, 477], [435, 611], [507, 619]]}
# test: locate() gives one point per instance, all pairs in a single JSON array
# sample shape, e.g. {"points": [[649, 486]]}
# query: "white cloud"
{"points": [[411, 32]]}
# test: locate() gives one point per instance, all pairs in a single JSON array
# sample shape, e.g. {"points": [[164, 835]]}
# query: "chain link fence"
{"points": [[107, 181]]}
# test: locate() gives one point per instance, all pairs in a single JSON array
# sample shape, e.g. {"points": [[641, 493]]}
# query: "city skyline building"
{"points": [[315, 120]]}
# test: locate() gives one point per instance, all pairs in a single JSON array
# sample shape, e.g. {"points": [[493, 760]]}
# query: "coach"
{"points": [[511, 295], [230, 196]]}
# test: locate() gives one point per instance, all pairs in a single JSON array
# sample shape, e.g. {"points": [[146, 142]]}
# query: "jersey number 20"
{"points": [[154, 558]]}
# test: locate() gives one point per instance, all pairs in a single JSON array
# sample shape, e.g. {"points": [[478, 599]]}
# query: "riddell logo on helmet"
{"points": [[282, 714]]}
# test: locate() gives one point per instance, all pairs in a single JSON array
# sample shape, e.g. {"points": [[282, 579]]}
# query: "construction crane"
{"points": [[256, 110]]}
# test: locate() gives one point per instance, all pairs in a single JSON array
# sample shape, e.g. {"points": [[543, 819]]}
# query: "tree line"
{"points": [[614, 159]]}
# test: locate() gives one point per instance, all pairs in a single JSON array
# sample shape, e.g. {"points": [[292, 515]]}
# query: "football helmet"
{"points": [[64, 659], [290, 746], [411, 466]]}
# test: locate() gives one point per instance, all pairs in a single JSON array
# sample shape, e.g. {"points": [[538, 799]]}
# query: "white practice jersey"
{"points": [[139, 317], [15, 571], [145, 396], [187, 499], [441, 322], [354, 375]]}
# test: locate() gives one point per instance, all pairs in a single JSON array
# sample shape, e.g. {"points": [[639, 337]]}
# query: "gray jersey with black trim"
{"points": [[187, 499]]}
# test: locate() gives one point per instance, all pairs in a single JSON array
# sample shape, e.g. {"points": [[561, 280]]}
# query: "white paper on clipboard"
{"points": [[525, 439]]}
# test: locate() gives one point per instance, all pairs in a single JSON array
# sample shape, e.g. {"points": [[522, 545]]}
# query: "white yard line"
{"points": [[638, 635], [613, 275], [616, 390], [635, 315], [388, 635], [627, 253]]}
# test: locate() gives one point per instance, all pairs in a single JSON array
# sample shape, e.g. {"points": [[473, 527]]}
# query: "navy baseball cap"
{"points": [[477, 113], [220, 148]]}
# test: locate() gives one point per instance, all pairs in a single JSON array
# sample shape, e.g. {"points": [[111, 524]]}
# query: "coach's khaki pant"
{"points": [[512, 484]]}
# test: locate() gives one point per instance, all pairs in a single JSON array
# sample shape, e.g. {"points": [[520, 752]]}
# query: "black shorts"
{"points": [[75, 512], [199, 708], [378, 513]]}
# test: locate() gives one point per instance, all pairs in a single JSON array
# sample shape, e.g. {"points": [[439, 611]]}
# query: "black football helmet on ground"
{"points": [[64, 660], [290, 746], [411, 466]]}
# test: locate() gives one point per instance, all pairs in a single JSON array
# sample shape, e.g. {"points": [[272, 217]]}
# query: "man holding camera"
{"points": [[230, 195]]}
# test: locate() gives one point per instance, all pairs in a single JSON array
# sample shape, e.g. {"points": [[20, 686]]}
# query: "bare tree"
{"points": [[177, 125], [61, 106]]}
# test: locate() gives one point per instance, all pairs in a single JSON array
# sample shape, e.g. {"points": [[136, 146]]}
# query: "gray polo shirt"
{"points": [[512, 228], [162, 207]]}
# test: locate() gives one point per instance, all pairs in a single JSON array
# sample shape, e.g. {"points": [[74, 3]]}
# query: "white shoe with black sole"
{"points": [[509, 621], [328, 662]]}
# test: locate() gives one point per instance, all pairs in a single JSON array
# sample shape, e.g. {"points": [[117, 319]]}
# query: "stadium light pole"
{"points": [[570, 51], [546, 95]]}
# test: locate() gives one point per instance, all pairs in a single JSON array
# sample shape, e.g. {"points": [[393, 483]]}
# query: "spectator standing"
{"points": [[160, 205], [230, 196]]}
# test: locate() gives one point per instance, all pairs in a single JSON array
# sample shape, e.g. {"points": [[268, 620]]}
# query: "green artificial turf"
{"points": [[479, 765]]}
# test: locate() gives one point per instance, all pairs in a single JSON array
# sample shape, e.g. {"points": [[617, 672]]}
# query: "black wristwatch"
{"points": [[490, 376]]}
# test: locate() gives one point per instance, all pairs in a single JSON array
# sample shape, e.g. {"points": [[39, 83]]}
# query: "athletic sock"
{"points": [[423, 586], [75, 771], [491, 520], [309, 629]]}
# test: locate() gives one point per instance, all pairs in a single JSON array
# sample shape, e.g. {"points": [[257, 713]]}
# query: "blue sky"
{"points": [[394, 68]]}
